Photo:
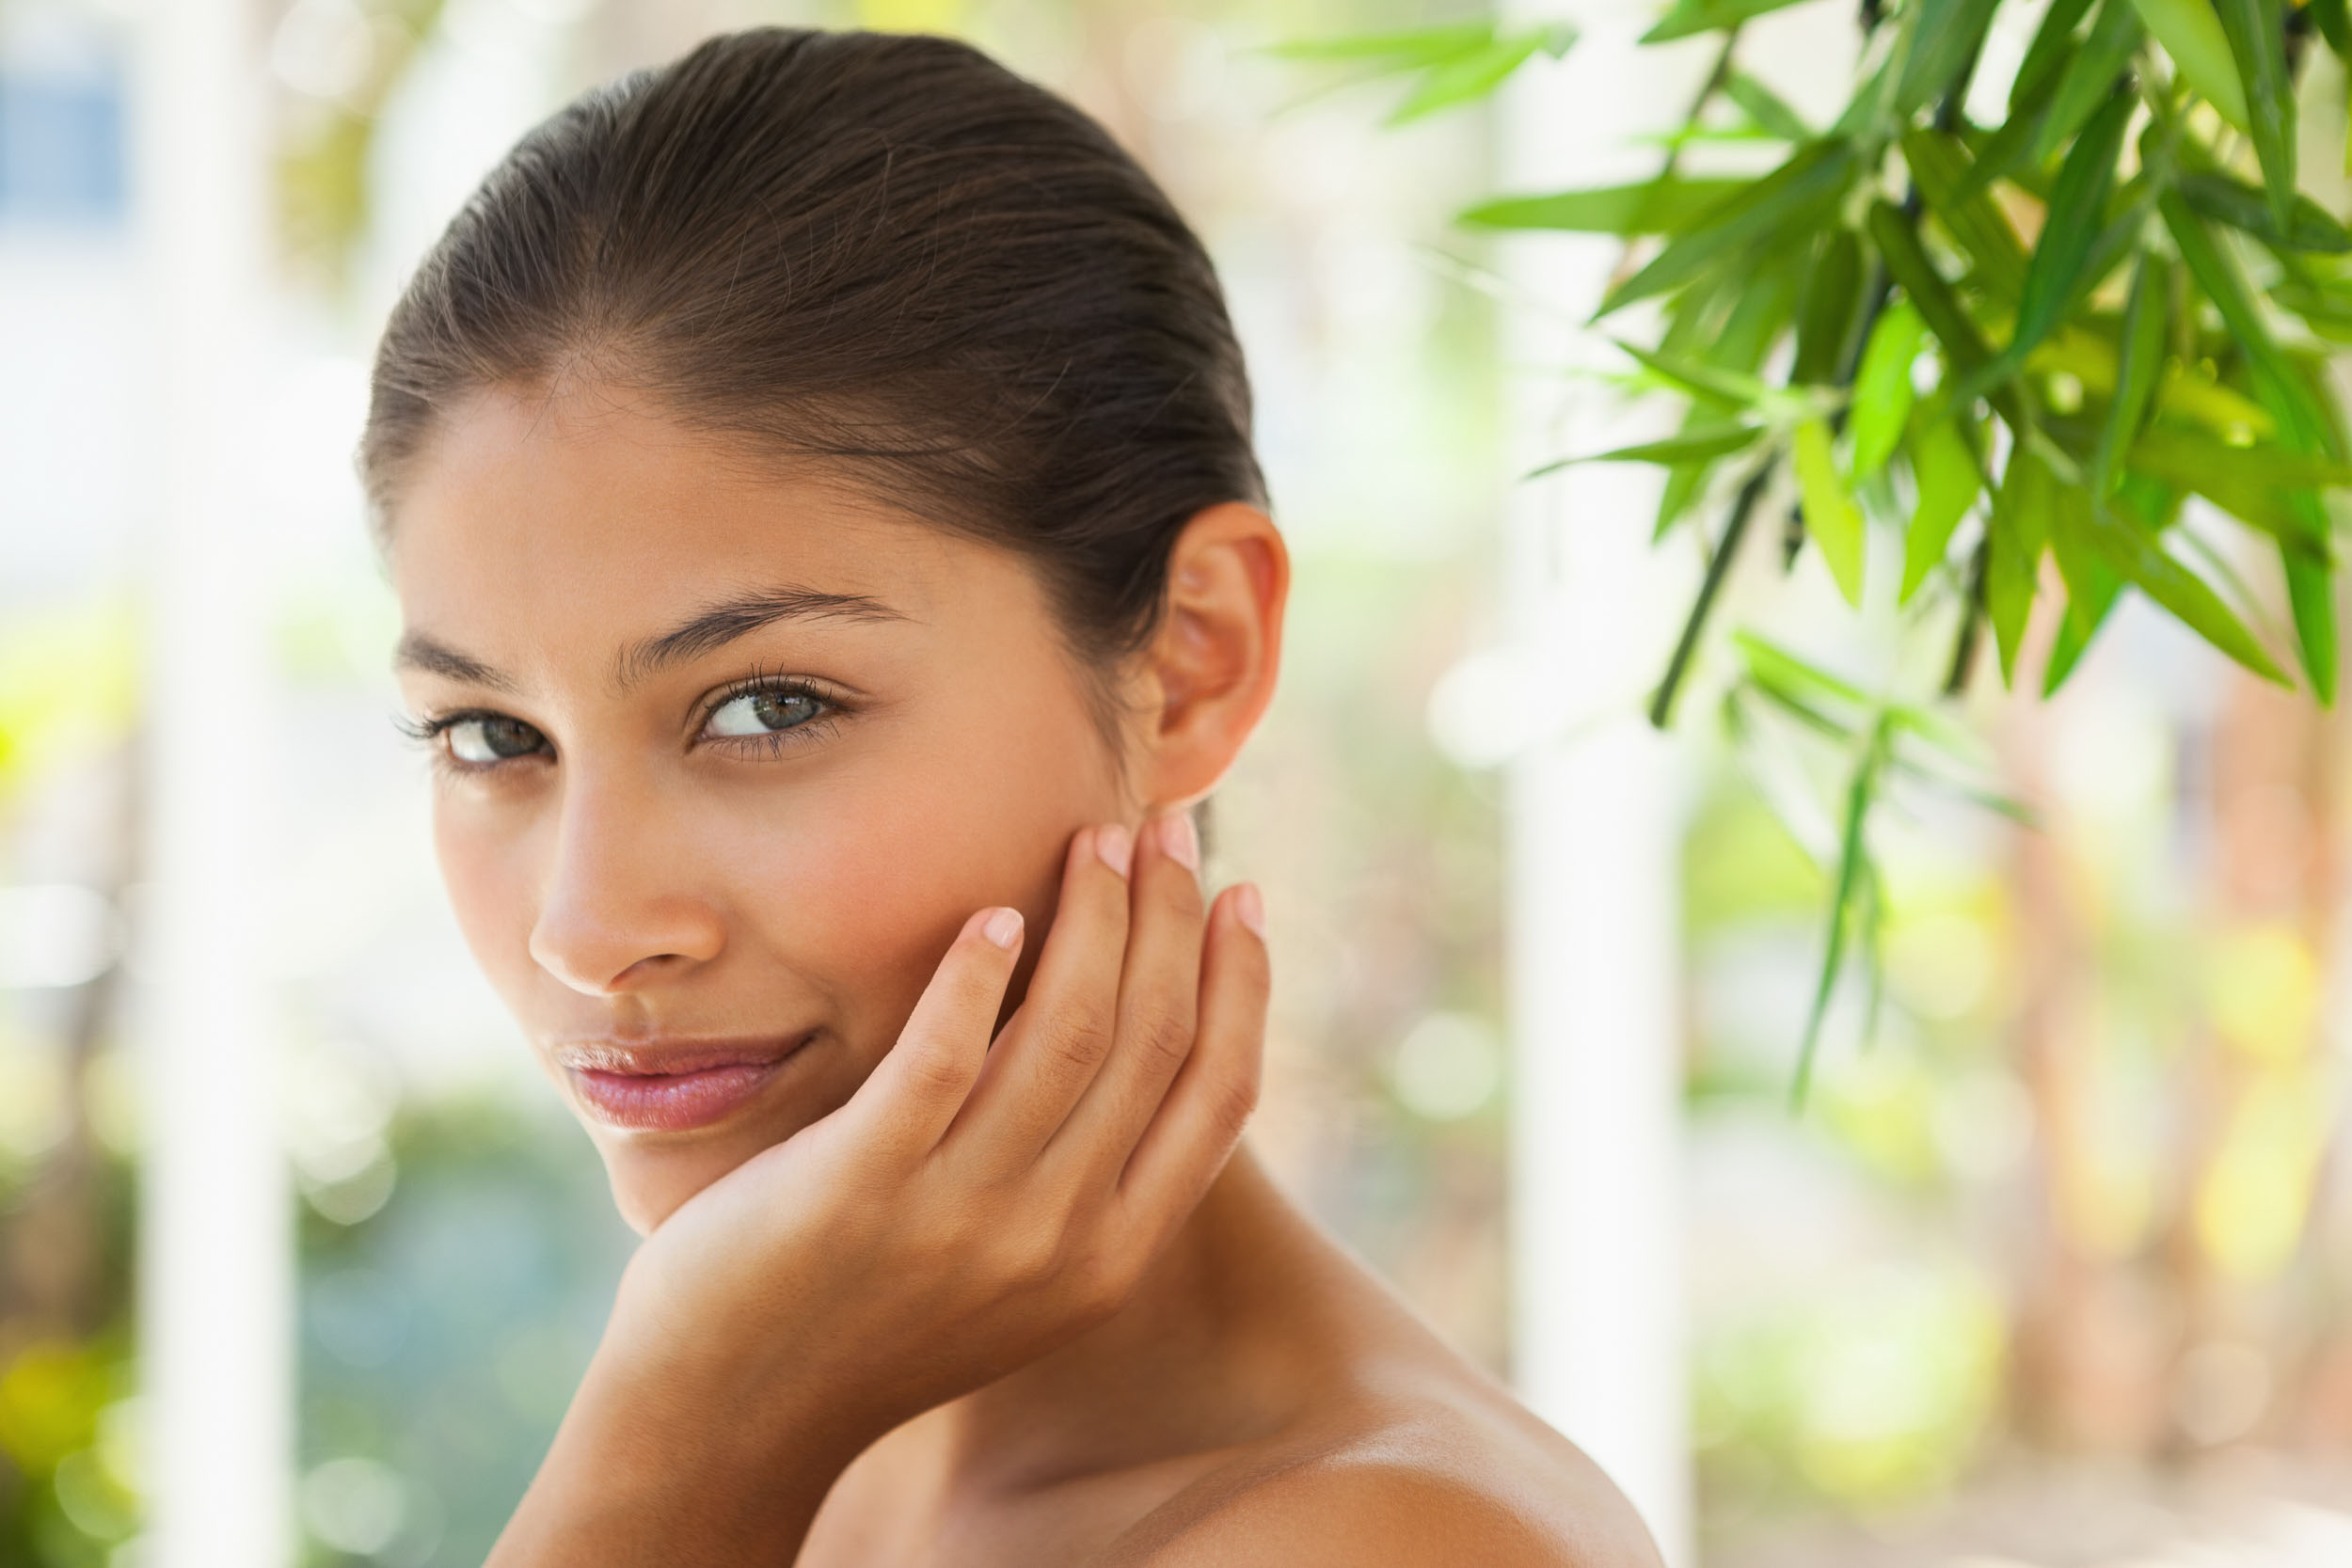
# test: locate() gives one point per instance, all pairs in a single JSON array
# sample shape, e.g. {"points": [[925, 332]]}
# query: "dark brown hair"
{"points": [[885, 252]]}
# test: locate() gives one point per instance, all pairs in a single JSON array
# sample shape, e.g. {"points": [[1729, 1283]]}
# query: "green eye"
{"points": [[487, 738], [765, 712]]}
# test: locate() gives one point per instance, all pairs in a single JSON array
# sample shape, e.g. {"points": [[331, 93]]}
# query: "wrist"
{"points": [[660, 1460]]}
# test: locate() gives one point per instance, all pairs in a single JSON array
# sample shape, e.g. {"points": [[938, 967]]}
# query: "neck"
{"points": [[1212, 1350]]}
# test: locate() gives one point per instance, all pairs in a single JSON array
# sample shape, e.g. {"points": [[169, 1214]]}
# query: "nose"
{"points": [[621, 910]]}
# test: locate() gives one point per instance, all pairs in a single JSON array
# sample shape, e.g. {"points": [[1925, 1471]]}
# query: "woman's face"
{"points": [[723, 761]]}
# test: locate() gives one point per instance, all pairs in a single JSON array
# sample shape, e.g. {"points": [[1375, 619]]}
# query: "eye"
{"points": [[483, 739], [766, 711]]}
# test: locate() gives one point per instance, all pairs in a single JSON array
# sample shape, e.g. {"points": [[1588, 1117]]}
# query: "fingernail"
{"points": [[1116, 846], [1179, 842], [1249, 909], [1003, 928]]}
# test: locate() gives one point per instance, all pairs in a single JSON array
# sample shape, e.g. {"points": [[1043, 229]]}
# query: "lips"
{"points": [[671, 1086]]}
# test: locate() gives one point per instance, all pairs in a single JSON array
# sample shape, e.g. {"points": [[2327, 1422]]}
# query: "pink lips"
{"points": [[671, 1087]]}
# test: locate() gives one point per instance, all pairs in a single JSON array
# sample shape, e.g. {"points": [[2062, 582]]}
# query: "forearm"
{"points": [[643, 1475]]}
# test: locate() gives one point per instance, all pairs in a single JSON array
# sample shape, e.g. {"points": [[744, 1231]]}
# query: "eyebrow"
{"points": [[712, 627]]}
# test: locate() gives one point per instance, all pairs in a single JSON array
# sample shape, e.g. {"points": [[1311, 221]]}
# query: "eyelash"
{"points": [[427, 731]]}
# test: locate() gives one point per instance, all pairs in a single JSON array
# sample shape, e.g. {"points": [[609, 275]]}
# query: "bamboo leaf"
{"points": [[2069, 236], [1813, 177], [1451, 83], [2198, 462], [1769, 664], [2020, 532], [2085, 616], [1908, 265], [1654, 207], [2312, 595], [1767, 108], [2045, 56], [1832, 298], [2241, 206], [1943, 42], [1730, 389], [1882, 393], [2192, 36], [2335, 24], [1759, 312], [1708, 16], [2091, 76], [1404, 49], [2145, 565], [2137, 367], [1944, 172], [1852, 872], [1944, 472], [2257, 35], [1698, 445], [1831, 519]]}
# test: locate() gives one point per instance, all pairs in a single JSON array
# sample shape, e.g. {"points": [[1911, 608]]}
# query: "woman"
{"points": [[817, 484]]}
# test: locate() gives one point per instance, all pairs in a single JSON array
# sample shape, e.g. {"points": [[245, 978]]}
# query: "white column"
{"points": [[215, 1239], [1595, 822]]}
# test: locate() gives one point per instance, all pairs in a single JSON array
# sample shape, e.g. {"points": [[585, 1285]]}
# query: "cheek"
{"points": [[487, 868]]}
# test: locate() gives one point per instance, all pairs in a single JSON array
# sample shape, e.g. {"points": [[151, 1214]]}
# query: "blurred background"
{"points": [[2054, 1270]]}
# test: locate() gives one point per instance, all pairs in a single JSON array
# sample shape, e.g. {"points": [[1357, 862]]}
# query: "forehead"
{"points": [[591, 509]]}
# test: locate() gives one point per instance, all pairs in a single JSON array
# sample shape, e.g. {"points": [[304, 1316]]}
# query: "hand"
{"points": [[967, 1211]]}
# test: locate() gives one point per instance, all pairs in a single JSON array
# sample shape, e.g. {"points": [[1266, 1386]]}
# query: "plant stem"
{"points": [[1662, 703]]}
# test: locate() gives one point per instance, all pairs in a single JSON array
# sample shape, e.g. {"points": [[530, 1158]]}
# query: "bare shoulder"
{"points": [[1426, 1469]]}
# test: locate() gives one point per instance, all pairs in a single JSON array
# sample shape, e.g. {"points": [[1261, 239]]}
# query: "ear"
{"points": [[1209, 673]]}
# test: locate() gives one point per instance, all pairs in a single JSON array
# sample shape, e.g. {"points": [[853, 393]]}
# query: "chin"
{"points": [[650, 1180]]}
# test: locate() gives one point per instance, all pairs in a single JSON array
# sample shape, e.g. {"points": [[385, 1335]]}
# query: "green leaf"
{"points": [[1908, 265], [1831, 519], [2257, 35], [2045, 57], [1812, 179], [1943, 42], [1409, 49], [1773, 666], [2069, 235], [2312, 594], [1944, 470], [1941, 167], [2090, 77], [2241, 206], [2335, 24], [2020, 531], [2192, 36], [1833, 297], [1660, 206], [1760, 309], [1708, 16], [1711, 383], [1853, 872], [2138, 364], [1699, 446], [2145, 565], [1770, 113], [1883, 394], [2198, 462], [1450, 83], [2082, 623]]}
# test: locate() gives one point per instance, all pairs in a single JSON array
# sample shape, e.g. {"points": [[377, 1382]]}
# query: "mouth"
{"points": [[672, 1086]]}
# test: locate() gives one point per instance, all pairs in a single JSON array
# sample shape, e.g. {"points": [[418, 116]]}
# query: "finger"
{"points": [[1158, 1004], [911, 1098], [1201, 1119], [1053, 1049]]}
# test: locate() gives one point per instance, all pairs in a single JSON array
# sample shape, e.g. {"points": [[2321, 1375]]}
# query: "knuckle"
{"points": [[1230, 1100], [1164, 1037], [1077, 1036]]}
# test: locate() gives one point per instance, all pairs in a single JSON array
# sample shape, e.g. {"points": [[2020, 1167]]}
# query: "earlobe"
{"points": [[1214, 661]]}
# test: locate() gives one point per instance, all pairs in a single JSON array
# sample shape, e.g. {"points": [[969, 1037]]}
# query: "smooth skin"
{"points": [[728, 753]]}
